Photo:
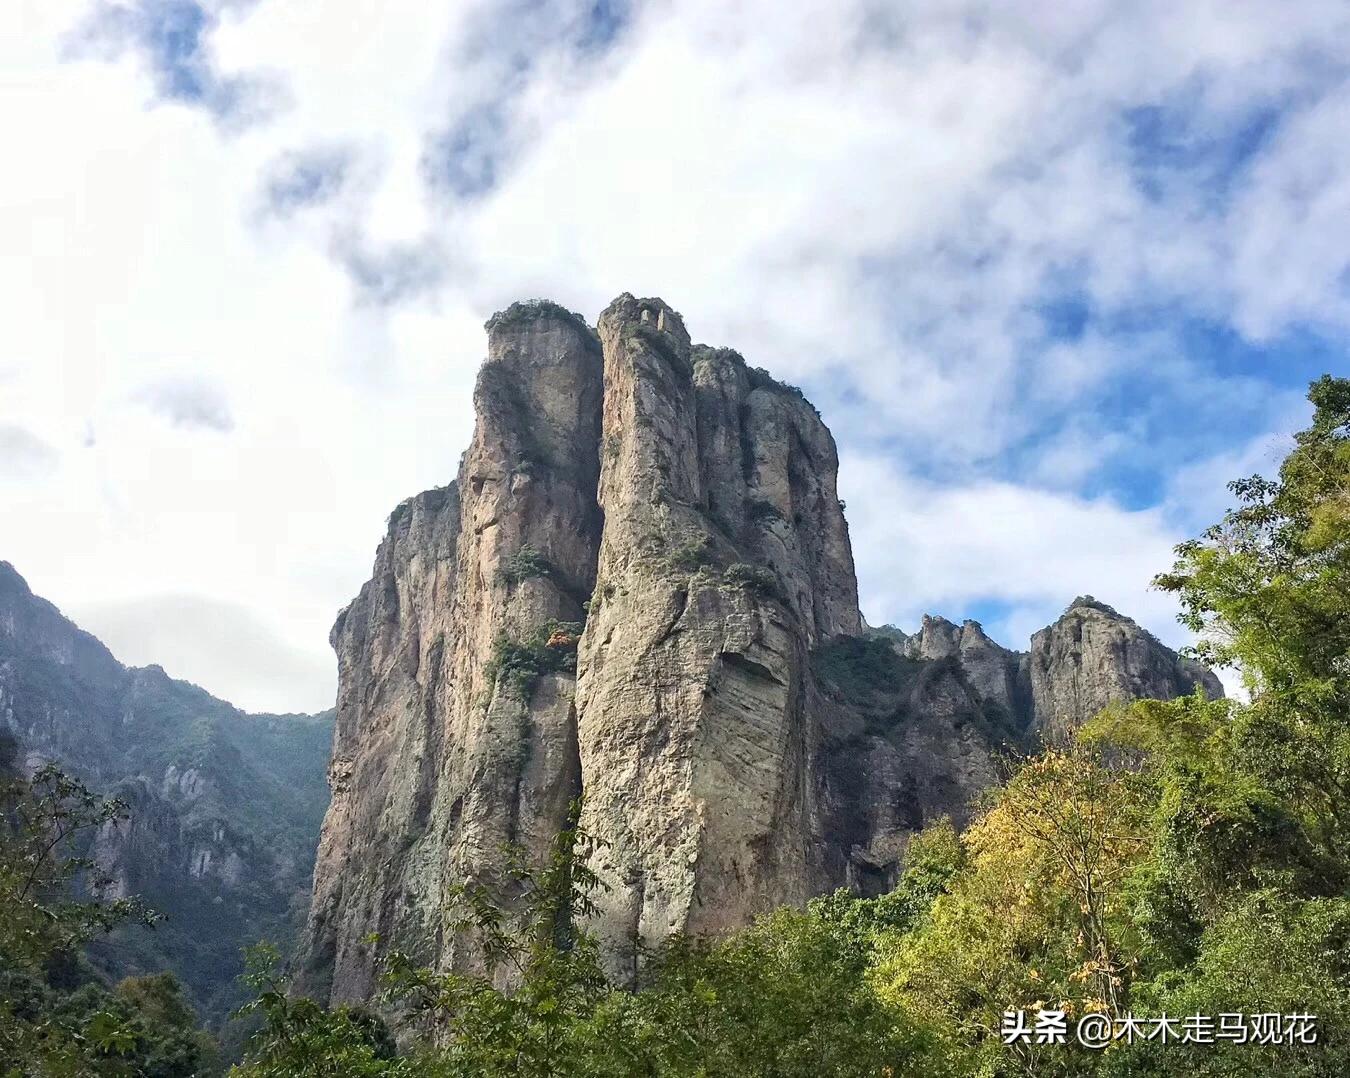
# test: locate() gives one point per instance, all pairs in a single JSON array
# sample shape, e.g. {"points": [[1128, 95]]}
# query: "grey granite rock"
{"points": [[740, 739]]}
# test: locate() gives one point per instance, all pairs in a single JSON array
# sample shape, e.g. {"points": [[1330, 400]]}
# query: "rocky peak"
{"points": [[992, 671], [456, 732], [684, 507], [1093, 656], [34, 628], [738, 742], [1087, 602], [937, 638], [1090, 657], [724, 559]]}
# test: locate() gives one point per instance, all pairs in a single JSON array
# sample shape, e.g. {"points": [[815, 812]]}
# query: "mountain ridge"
{"points": [[224, 805]]}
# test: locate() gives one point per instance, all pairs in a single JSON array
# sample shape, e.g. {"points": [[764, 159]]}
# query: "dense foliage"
{"points": [[780, 998]]}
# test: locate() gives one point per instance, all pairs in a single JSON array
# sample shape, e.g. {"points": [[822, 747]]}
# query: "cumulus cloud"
{"points": [[191, 403], [23, 455], [1038, 264], [923, 548], [1197, 493], [392, 273]]}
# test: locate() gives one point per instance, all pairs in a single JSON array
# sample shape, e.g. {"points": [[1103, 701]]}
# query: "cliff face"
{"points": [[225, 806], [1093, 656], [724, 560], [456, 730], [740, 741]]}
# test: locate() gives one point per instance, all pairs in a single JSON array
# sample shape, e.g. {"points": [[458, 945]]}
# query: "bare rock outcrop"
{"points": [[994, 672], [447, 744], [640, 587], [725, 558], [1093, 656], [908, 740]]}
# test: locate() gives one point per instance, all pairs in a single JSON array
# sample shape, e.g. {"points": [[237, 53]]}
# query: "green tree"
{"points": [[1268, 590], [300, 1039], [534, 943], [56, 1018], [785, 997], [933, 859], [1038, 917], [1185, 856]]}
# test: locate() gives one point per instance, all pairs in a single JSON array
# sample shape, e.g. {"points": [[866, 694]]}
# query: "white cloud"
{"points": [[217, 641], [1197, 493], [23, 455], [870, 198], [923, 548], [188, 402], [1290, 256]]}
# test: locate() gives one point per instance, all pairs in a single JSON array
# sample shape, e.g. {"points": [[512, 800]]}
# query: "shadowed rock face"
{"points": [[740, 741]]}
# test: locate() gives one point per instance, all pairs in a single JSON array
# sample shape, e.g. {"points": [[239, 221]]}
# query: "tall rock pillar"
{"points": [[441, 755], [693, 682]]}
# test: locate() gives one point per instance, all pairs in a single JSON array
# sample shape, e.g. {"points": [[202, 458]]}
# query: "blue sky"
{"points": [[1054, 274]]}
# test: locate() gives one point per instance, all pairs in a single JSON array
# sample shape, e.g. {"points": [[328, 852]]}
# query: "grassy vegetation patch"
{"points": [[516, 664], [523, 564], [691, 555], [530, 310], [755, 579]]}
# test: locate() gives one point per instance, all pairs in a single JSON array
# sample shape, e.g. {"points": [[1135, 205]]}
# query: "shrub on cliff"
{"points": [[524, 563], [515, 664], [755, 579]]}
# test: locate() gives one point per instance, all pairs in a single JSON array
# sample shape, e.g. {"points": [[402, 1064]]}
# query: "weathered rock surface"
{"points": [[724, 559], [740, 740], [225, 806], [994, 672], [442, 751], [1093, 656]]}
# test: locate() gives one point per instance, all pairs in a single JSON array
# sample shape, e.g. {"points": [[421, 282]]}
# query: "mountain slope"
{"points": [[225, 806]]}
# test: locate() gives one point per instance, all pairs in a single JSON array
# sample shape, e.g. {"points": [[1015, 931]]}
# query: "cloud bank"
{"points": [[1050, 271]]}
